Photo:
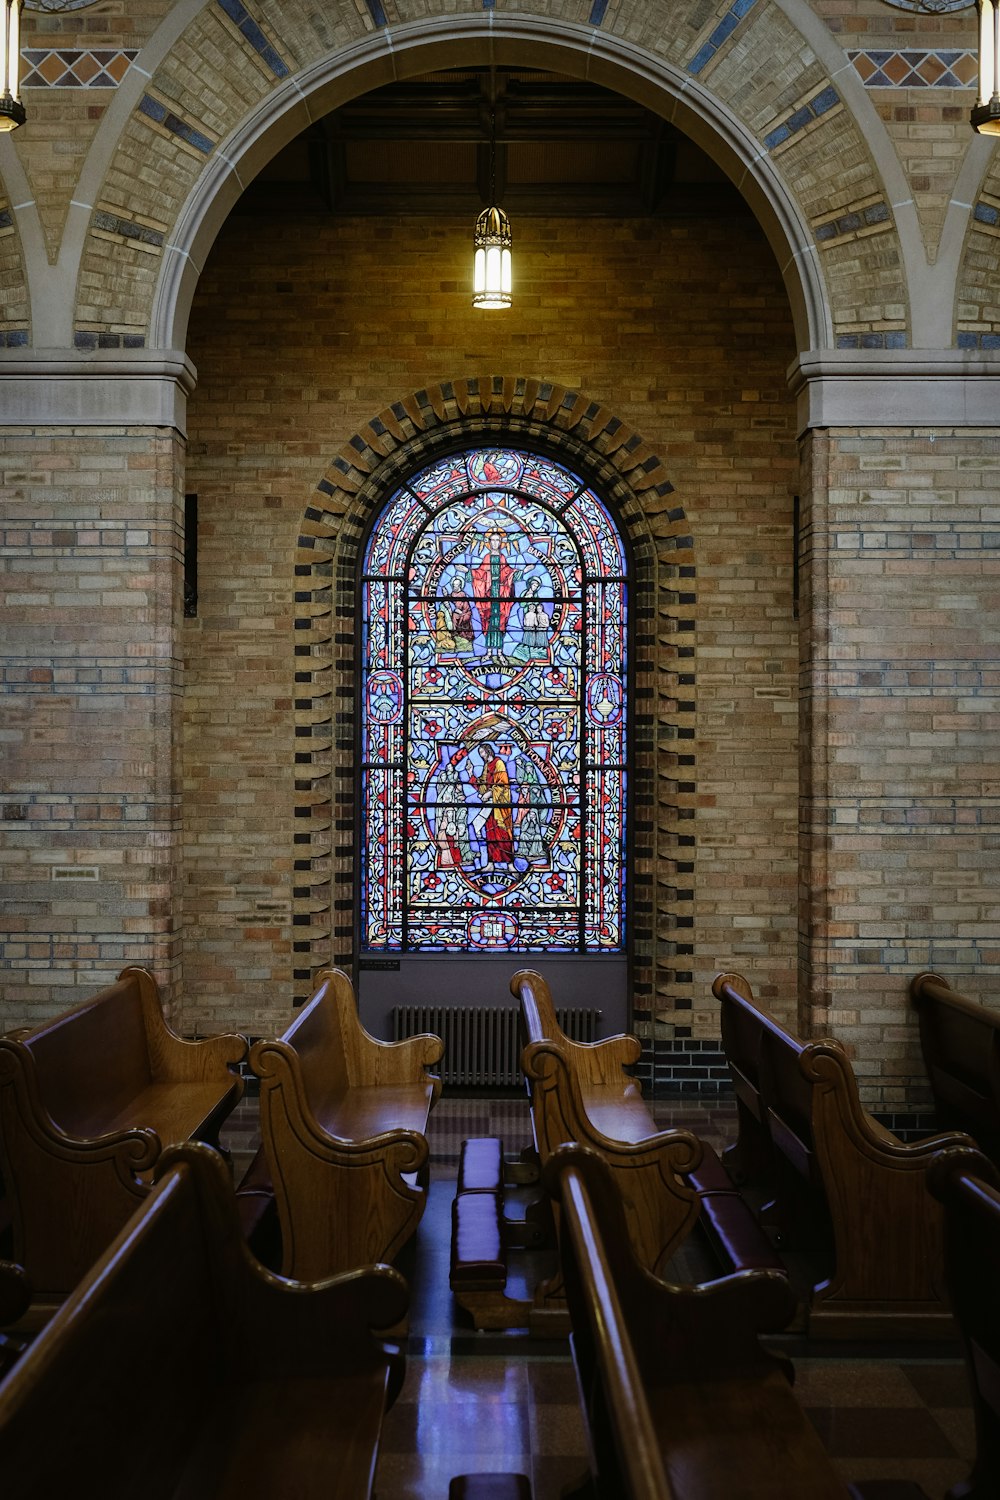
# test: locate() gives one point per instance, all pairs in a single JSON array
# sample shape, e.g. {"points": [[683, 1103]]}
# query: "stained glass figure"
{"points": [[494, 631]]}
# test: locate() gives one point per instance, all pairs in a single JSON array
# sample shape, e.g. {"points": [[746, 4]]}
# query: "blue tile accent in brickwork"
{"points": [[892, 340], [814, 110], [986, 213], [6, 218], [248, 26], [128, 228], [979, 341], [154, 110], [14, 338], [853, 220], [83, 338], [377, 13], [722, 32], [598, 11]]}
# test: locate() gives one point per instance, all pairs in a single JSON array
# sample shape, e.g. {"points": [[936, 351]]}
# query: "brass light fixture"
{"points": [[11, 109], [491, 277], [986, 113]]}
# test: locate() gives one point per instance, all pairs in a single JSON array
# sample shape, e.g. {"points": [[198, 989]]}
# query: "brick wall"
{"points": [[91, 530], [900, 683], [304, 330]]}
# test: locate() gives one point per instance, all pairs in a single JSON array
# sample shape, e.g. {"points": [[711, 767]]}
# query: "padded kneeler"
{"points": [[480, 1167], [477, 1253], [490, 1487]]}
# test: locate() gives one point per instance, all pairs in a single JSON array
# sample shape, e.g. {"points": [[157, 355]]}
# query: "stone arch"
{"points": [[632, 478], [752, 91]]}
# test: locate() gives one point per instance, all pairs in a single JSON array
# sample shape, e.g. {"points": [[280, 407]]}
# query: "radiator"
{"points": [[481, 1043]]}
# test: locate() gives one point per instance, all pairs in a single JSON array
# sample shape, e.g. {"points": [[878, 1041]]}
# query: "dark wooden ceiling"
{"points": [[561, 147]]}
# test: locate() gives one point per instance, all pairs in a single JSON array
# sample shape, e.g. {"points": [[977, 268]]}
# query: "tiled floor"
{"points": [[505, 1402]]}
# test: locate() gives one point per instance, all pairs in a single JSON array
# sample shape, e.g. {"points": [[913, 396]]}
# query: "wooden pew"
{"points": [[669, 1180], [960, 1042], [578, 1091], [180, 1368], [968, 1185], [845, 1183], [87, 1101], [680, 1400], [343, 1117]]}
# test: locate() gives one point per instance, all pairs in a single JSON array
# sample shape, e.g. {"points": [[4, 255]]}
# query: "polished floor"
{"points": [[503, 1402]]}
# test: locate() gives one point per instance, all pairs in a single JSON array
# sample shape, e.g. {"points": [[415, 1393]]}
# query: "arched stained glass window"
{"points": [[494, 673]]}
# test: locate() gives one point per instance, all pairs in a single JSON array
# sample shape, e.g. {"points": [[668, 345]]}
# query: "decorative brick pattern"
{"points": [[719, 35], [915, 69], [251, 32], [802, 117], [71, 68], [978, 322], [584, 435]]}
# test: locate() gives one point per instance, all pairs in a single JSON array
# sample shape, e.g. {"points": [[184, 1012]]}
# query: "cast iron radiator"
{"points": [[481, 1043]]}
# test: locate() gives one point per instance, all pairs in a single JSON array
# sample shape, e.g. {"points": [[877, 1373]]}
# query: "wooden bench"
{"points": [[968, 1185], [180, 1368], [669, 1179], [960, 1041], [845, 1184], [87, 1101], [342, 1118], [680, 1400]]}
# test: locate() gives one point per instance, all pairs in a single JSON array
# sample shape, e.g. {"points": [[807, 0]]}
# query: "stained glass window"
{"points": [[494, 671]]}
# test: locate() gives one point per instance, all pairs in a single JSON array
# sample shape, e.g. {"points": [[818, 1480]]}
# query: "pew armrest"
{"points": [[368, 1061], [172, 1058]]}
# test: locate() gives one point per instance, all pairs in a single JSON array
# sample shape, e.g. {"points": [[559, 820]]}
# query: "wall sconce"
{"points": [[11, 109], [985, 116]]}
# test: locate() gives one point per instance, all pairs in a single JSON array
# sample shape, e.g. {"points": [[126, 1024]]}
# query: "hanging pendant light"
{"points": [[986, 114], [11, 109], [491, 278]]}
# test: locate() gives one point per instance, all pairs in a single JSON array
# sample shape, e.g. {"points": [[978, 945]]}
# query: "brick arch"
{"points": [[762, 88], [632, 479], [978, 316], [15, 314]]}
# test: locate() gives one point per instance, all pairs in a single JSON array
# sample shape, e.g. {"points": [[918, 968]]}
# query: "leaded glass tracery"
{"points": [[494, 666]]}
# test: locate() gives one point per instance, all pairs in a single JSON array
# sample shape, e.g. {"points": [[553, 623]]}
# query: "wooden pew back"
{"points": [[111, 1027], [969, 1187], [960, 1042], [579, 1092], [680, 1400], [867, 1188], [86, 1102], [343, 1120], [158, 1375]]}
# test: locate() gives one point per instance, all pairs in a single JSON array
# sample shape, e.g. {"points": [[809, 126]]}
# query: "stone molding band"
{"points": [[839, 388]]}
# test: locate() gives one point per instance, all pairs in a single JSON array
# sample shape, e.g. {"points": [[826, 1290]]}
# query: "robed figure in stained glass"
{"points": [[493, 580], [497, 825]]}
